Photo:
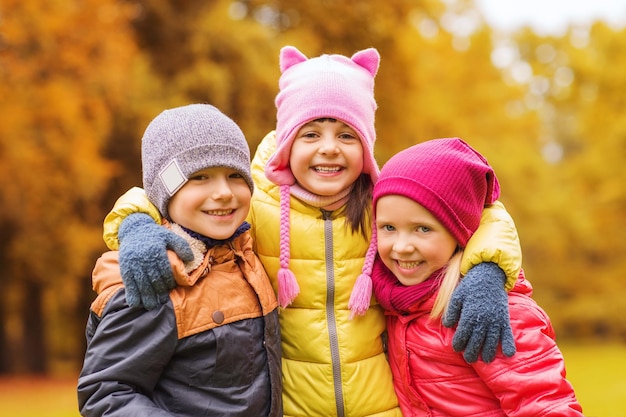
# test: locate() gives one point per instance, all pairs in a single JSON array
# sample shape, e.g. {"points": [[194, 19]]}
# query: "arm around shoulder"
{"points": [[497, 241], [533, 382], [132, 201]]}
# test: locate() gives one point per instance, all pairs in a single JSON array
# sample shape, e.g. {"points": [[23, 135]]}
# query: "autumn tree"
{"points": [[572, 198], [64, 70], [213, 52], [80, 80]]}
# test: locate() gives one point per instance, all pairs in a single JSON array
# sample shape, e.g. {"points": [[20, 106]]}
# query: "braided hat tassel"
{"points": [[288, 287], [361, 295]]}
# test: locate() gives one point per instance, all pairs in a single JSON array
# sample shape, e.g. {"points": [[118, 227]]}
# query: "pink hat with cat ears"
{"points": [[328, 86]]}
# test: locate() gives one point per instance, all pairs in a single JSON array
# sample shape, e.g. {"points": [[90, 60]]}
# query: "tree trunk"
{"points": [[34, 348]]}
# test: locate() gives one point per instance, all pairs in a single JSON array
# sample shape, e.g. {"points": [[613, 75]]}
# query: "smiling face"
{"points": [[412, 243], [214, 202], [326, 157]]}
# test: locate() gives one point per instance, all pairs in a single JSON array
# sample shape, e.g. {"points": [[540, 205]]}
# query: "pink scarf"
{"points": [[320, 201], [393, 296]]}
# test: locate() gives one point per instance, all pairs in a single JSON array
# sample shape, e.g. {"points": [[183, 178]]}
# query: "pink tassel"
{"points": [[361, 296], [288, 288]]}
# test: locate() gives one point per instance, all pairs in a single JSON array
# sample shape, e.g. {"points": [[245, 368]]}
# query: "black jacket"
{"points": [[212, 349]]}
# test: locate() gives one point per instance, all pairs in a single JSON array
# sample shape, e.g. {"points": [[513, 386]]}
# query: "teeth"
{"points": [[220, 212], [327, 169], [408, 265]]}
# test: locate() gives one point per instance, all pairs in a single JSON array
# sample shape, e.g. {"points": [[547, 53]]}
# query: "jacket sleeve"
{"points": [[127, 350], [132, 201], [532, 382], [264, 151], [496, 241]]}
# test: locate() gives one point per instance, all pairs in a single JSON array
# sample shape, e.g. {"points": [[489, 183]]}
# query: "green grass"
{"points": [[597, 372]]}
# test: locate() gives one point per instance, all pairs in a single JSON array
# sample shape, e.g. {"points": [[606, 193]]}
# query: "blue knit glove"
{"points": [[480, 306], [145, 267]]}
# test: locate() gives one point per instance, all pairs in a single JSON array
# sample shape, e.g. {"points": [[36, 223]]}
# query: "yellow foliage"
{"points": [[62, 79], [80, 80]]}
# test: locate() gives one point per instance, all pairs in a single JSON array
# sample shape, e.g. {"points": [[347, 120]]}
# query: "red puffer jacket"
{"points": [[431, 379]]}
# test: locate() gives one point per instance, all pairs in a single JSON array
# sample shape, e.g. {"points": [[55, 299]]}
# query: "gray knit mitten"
{"points": [[480, 306], [145, 267]]}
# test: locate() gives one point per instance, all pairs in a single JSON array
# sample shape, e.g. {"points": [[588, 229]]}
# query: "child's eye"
{"points": [[235, 175], [423, 229], [198, 177], [309, 135], [348, 136], [387, 228]]}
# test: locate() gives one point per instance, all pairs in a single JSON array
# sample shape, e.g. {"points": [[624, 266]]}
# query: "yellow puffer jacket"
{"points": [[332, 366]]}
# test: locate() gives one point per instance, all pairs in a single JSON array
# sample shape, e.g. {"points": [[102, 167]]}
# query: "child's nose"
{"points": [[403, 245], [328, 145], [221, 189]]}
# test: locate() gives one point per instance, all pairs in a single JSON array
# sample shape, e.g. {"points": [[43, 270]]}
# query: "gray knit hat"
{"points": [[184, 140]]}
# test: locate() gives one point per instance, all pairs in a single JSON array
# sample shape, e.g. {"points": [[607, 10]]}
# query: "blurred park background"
{"points": [[80, 80]]}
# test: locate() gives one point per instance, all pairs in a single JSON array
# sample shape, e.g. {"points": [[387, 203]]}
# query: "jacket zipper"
{"points": [[330, 311]]}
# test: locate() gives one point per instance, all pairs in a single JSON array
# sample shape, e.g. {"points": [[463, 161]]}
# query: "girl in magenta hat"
{"points": [[428, 203], [311, 222]]}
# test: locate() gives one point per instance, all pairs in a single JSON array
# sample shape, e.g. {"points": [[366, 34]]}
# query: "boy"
{"points": [[214, 347]]}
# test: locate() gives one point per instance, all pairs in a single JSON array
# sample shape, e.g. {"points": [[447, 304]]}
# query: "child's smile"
{"points": [[412, 243], [326, 157], [214, 202]]}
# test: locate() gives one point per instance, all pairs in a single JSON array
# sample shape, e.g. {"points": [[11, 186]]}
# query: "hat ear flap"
{"points": [[290, 56], [368, 59]]}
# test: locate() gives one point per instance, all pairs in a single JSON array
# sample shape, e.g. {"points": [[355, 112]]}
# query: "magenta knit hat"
{"points": [[328, 86], [446, 176], [332, 86]]}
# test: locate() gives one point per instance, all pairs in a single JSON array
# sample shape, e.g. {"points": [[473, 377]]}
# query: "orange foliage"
{"points": [[80, 79]]}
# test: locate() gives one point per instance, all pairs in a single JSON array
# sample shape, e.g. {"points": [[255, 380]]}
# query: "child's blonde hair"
{"points": [[449, 282]]}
